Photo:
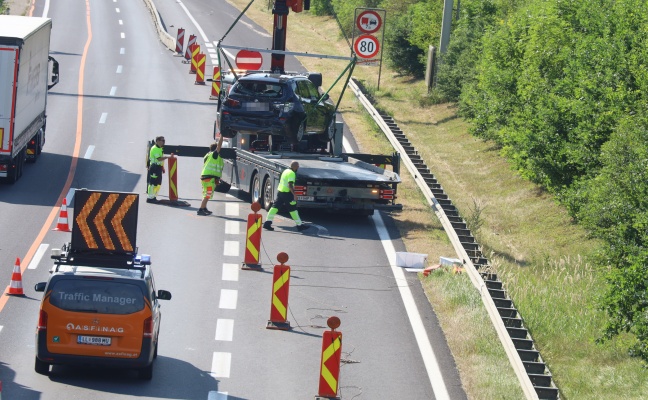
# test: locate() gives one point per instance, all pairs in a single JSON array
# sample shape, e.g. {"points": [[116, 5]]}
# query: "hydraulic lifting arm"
{"points": [[280, 10]]}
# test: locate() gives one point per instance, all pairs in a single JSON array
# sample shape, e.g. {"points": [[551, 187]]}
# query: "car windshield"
{"points": [[97, 296], [258, 89]]}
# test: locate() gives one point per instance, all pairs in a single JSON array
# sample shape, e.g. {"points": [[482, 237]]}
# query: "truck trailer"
{"points": [[25, 73]]}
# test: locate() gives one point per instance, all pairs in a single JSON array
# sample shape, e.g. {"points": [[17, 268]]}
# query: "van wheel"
{"points": [[41, 367], [146, 373]]}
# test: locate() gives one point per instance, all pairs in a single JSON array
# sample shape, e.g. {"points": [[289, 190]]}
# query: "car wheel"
{"points": [[301, 131], [41, 367], [267, 194], [146, 373], [255, 190]]}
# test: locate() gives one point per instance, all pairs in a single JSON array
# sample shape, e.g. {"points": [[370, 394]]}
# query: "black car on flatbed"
{"points": [[290, 107]]}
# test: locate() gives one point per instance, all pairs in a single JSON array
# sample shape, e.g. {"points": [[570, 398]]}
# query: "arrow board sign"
{"points": [[104, 221]]}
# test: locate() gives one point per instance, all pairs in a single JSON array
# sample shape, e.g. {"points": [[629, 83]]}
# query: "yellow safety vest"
{"points": [[213, 166], [286, 177]]}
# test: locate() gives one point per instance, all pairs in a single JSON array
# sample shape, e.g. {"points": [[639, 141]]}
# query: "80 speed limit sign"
{"points": [[366, 46]]}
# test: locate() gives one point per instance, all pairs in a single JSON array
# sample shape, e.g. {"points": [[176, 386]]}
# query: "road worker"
{"points": [[155, 169], [286, 197], [211, 174]]}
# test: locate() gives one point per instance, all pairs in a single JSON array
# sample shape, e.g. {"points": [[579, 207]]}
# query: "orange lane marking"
{"points": [[75, 159]]}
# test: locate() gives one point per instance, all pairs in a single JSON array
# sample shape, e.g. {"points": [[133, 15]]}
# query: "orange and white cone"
{"points": [[15, 287], [62, 224]]}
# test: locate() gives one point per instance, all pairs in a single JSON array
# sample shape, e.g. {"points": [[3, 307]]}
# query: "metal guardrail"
{"points": [[475, 277]]}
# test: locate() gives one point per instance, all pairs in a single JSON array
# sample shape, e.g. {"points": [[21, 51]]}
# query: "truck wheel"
{"points": [[41, 367], [267, 194], [255, 190]]}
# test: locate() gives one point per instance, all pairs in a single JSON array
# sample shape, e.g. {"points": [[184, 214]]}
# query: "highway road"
{"points": [[119, 88]]}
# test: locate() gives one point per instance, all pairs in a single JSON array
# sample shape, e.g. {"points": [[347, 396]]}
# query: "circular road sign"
{"points": [[369, 21], [366, 46], [249, 60]]}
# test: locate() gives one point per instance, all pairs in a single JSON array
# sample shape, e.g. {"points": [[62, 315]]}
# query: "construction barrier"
{"points": [[279, 301], [330, 365], [15, 286], [216, 84], [200, 68], [192, 41], [173, 178], [253, 241], [195, 50], [63, 224], [180, 41]]}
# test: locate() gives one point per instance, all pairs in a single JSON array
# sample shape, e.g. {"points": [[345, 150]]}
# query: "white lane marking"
{"points": [[38, 256], [209, 45], [229, 196], [231, 248], [214, 395], [89, 152], [102, 120], [228, 299], [211, 50], [202, 33], [46, 8], [232, 227], [422, 339], [232, 209], [123, 35], [117, 9], [122, 51], [119, 69], [221, 365], [113, 90], [230, 272], [225, 329], [227, 53], [70, 196], [121, 22], [0, 328]]}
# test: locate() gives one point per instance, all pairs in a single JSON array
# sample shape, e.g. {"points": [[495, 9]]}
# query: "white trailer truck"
{"points": [[24, 81]]}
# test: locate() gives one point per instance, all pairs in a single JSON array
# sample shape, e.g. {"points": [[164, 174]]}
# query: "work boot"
{"points": [[153, 200], [302, 227], [268, 225], [203, 211]]}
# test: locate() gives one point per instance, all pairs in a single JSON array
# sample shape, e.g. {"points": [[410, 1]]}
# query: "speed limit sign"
{"points": [[366, 46]]}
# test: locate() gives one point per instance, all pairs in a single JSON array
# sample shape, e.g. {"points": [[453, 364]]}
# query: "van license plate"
{"points": [[100, 341], [306, 198]]}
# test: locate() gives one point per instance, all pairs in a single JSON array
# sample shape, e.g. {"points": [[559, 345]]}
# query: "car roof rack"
{"points": [[104, 259]]}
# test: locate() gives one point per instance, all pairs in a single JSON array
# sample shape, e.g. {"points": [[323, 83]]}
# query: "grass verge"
{"points": [[529, 239]]}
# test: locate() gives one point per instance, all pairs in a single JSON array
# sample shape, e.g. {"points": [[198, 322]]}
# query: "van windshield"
{"points": [[97, 296]]}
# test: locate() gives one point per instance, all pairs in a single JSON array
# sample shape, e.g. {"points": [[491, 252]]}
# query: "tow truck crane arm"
{"points": [[280, 10]]}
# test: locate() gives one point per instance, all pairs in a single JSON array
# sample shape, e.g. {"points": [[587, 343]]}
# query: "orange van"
{"points": [[103, 314]]}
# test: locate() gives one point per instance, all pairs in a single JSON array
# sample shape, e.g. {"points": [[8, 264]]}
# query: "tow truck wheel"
{"points": [[256, 190], [267, 194], [41, 367]]}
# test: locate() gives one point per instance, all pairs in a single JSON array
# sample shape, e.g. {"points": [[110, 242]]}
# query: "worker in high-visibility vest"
{"points": [[286, 197], [211, 174], [155, 169]]}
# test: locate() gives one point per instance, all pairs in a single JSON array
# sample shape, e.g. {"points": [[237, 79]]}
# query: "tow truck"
{"points": [[327, 178]]}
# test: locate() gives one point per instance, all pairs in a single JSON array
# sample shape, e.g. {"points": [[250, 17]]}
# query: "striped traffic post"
{"points": [[279, 301], [253, 240], [195, 50], [200, 69], [173, 178], [330, 365], [216, 84], [180, 41], [192, 41]]}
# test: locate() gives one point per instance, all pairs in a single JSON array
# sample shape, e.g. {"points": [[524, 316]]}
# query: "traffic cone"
{"points": [[15, 287], [62, 224]]}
